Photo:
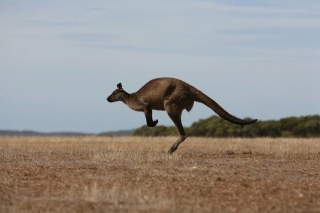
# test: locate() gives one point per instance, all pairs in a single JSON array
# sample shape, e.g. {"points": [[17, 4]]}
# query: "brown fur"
{"points": [[173, 96]]}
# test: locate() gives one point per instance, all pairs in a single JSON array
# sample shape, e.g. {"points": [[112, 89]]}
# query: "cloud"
{"points": [[87, 37], [52, 23]]}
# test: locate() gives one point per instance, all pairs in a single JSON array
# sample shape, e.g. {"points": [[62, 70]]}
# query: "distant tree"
{"points": [[155, 131], [214, 126]]}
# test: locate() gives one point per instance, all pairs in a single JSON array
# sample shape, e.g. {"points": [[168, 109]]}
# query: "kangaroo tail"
{"points": [[202, 98]]}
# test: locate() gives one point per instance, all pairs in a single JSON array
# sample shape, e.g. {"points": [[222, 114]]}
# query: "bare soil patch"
{"points": [[136, 174]]}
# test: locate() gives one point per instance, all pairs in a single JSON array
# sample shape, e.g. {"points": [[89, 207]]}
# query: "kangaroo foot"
{"points": [[172, 149]]}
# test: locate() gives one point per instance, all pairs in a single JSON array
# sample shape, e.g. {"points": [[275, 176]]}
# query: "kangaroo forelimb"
{"points": [[148, 114]]}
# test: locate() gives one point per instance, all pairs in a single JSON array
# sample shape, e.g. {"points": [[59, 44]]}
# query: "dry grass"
{"points": [[135, 174]]}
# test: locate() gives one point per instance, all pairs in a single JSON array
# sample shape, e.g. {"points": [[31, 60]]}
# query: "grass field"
{"points": [[136, 174]]}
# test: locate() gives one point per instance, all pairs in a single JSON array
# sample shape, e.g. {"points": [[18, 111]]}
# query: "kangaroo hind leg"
{"points": [[175, 115]]}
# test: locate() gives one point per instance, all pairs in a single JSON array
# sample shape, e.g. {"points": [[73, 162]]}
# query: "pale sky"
{"points": [[59, 60]]}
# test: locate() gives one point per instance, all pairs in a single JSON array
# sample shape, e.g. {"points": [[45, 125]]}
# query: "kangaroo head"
{"points": [[118, 95]]}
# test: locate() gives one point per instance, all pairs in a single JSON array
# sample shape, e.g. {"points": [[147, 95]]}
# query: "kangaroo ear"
{"points": [[119, 86]]}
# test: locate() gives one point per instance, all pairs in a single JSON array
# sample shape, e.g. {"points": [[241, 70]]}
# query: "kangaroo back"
{"points": [[203, 98]]}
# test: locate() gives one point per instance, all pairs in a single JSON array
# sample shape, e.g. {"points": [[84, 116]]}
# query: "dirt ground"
{"points": [[136, 174]]}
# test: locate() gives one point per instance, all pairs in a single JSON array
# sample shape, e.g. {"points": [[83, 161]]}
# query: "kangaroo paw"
{"points": [[152, 124]]}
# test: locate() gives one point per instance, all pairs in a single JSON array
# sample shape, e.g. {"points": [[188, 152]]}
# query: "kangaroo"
{"points": [[173, 96]]}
